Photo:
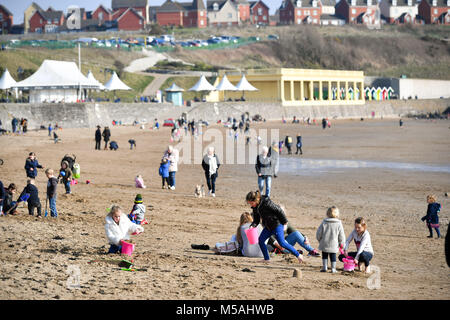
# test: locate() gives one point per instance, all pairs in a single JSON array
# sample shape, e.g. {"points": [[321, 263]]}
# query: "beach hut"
{"points": [[384, 93], [7, 82], [373, 93], [174, 94], [379, 94], [367, 93], [351, 93], [390, 92]]}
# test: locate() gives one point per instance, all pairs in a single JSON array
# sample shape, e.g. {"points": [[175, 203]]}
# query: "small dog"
{"points": [[199, 191]]}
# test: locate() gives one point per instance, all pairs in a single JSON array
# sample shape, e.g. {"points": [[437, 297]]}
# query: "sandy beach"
{"points": [[65, 258]]}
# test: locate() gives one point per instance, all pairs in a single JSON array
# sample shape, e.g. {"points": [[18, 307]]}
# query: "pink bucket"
{"points": [[127, 248], [252, 235], [349, 264]]}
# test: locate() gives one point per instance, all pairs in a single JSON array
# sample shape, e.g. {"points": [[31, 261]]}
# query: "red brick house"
{"points": [[6, 20], [357, 11], [46, 21], [300, 12], [194, 15], [243, 7], [259, 13], [186, 14], [130, 20], [435, 11], [102, 14], [120, 6]]}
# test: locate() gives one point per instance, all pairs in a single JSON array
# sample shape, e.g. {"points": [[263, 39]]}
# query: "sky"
{"points": [[17, 7]]}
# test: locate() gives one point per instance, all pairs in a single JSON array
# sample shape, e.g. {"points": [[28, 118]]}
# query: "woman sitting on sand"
{"points": [[247, 249], [118, 227], [274, 221]]}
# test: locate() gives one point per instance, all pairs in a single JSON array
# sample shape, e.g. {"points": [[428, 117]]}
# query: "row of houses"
{"points": [[137, 14]]}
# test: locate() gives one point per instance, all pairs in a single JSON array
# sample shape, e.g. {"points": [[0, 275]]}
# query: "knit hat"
{"points": [[138, 198]]}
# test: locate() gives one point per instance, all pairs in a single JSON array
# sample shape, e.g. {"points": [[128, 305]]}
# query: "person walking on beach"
{"points": [[273, 220], [172, 155], [432, 217], [106, 135], [50, 129], [211, 164], [299, 144], [98, 138], [52, 185], [264, 170], [288, 143]]}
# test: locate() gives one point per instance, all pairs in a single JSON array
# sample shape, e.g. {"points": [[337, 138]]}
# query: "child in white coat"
{"points": [[330, 235], [118, 227]]}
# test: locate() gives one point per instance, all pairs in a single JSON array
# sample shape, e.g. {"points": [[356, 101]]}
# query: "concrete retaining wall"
{"points": [[89, 115]]}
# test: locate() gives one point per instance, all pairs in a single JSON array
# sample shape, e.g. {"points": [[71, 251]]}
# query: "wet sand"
{"points": [[41, 257]]}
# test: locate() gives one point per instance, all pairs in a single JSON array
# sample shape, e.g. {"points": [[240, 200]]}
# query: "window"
{"points": [[201, 13], [315, 13], [353, 11], [100, 16], [307, 12], [299, 21], [369, 11], [1, 16], [435, 11], [216, 6], [230, 15], [186, 14], [299, 12], [55, 21], [40, 21], [314, 20], [265, 18], [260, 12], [201, 22]]}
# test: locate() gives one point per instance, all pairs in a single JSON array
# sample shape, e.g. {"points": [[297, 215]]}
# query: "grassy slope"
{"points": [[95, 60]]}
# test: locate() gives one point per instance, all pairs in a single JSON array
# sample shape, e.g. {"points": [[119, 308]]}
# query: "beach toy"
{"points": [[25, 197], [72, 182], [349, 264], [127, 248], [252, 235], [62, 173]]}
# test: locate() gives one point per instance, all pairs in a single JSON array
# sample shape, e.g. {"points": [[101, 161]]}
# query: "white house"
{"points": [[399, 11]]}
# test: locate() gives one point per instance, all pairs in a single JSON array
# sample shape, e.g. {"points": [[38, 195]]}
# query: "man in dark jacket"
{"points": [[31, 165], [33, 198], [106, 135], [288, 144], [98, 138], [299, 144]]}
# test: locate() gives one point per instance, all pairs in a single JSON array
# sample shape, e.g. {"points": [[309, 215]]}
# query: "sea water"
{"points": [[302, 166]]}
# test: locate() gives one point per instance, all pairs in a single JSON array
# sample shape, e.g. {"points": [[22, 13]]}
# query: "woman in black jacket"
{"points": [[274, 221], [106, 135]]}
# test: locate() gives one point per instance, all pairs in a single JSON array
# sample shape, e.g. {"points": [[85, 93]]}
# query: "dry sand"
{"points": [[40, 257]]}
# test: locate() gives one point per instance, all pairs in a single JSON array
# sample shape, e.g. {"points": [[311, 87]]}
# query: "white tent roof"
{"points": [[225, 85], [114, 83], [244, 85], [203, 85], [174, 88], [92, 79], [6, 81], [57, 75]]}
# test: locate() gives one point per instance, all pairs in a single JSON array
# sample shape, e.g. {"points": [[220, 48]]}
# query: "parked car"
{"points": [[169, 123]]}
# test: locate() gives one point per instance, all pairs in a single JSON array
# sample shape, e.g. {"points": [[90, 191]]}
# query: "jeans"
{"points": [[211, 182], [297, 237], [31, 207], [114, 249], [363, 257], [268, 180], [67, 186], [52, 204], [172, 178], [97, 145], [430, 228], [164, 181], [279, 234]]}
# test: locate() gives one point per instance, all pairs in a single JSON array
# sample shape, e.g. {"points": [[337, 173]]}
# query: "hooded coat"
{"points": [[122, 231]]}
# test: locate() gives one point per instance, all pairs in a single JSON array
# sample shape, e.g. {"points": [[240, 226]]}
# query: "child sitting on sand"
{"points": [[137, 213], [432, 217], [330, 235], [139, 182], [363, 245], [247, 249], [118, 227]]}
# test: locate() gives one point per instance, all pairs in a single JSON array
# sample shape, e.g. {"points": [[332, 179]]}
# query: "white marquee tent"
{"points": [[225, 85], [92, 79], [203, 85], [244, 85], [114, 83], [56, 81], [7, 82]]}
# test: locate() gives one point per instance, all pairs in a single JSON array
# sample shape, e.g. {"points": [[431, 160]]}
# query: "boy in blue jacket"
{"points": [[31, 194], [164, 172], [31, 165], [432, 217]]}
